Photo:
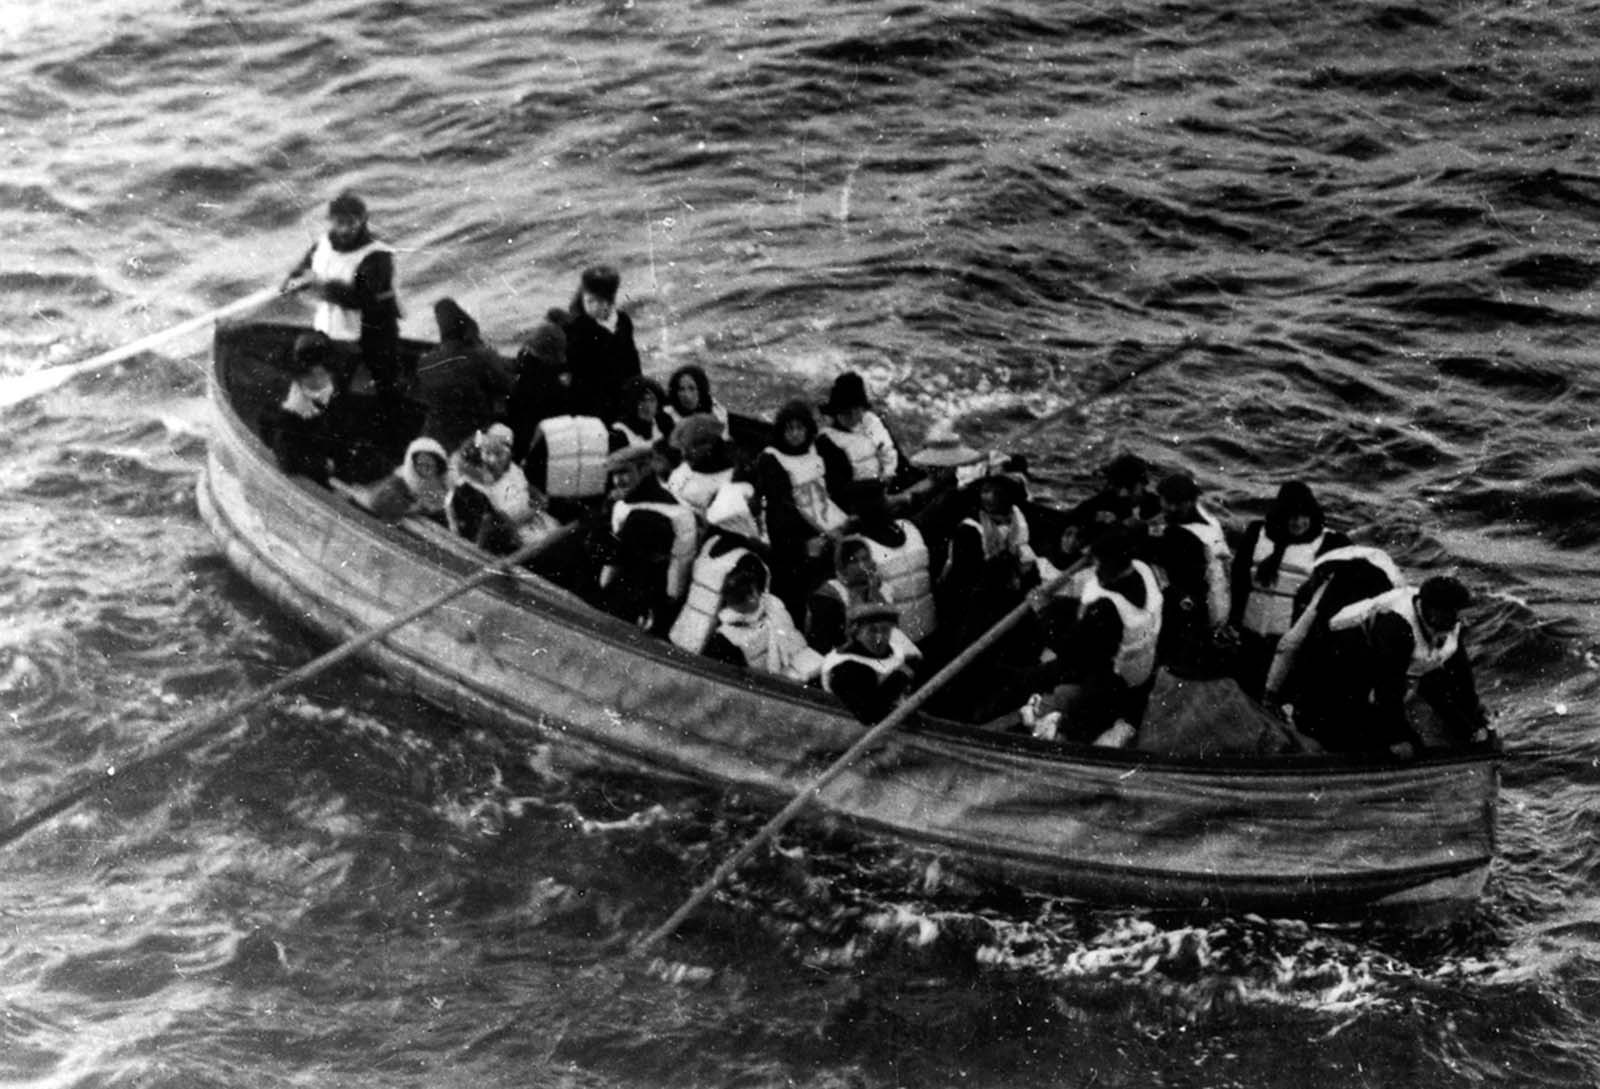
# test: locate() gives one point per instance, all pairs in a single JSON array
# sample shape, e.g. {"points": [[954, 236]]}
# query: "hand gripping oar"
{"points": [[18, 388], [841, 765], [203, 727]]}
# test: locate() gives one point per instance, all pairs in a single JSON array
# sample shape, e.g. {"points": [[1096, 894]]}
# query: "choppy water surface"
{"points": [[1379, 217]]}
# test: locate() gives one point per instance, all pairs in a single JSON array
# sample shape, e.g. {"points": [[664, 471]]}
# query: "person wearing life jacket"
{"points": [[855, 582], [707, 463], [600, 343], [876, 668], [1339, 577], [351, 275], [1125, 499], [948, 466], [490, 502], [463, 381], [1275, 559], [990, 565], [639, 421], [1193, 555], [689, 394], [900, 557], [859, 435], [755, 631], [733, 531], [803, 518], [419, 485], [303, 430], [1402, 646], [637, 490], [1104, 627]]}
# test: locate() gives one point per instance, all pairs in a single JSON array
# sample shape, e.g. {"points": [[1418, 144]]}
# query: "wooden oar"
{"points": [[843, 764], [19, 388], [204, 727]]}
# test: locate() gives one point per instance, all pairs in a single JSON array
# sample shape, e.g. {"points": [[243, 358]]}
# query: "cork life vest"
{"points": [[861, 451], [685, 539], [696, 488], [575, 456], [698, 618], [338, 322], [1209, 533], [1269, 610], [1135, 660], [901, 651], [1427, 654], [906, 581], [810, 491]]}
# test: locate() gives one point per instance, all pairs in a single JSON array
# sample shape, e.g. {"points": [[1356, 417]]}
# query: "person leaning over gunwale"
{"points": [[600, 345], [350, 273]]}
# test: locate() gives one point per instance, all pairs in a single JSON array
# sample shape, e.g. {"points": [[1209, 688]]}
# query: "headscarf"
{"points": [[1293, 498], [430, 494]]}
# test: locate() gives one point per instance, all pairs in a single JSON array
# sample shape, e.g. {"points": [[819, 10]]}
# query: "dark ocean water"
{"points": [[1380, 216]]}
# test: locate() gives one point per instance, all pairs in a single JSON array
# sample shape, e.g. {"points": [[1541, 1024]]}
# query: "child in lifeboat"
{"points": [[756, 631], [877, 666], [490, 502]]}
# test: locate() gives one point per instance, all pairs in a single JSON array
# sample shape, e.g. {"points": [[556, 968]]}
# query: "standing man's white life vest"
{"points": [[334, 266], [1135, 660]]}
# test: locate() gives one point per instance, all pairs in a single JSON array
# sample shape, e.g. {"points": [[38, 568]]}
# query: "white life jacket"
{"points": [[1135, 659], [996, 537], [695, 488], [1269, 610], [1377, 557], [633, 439], [338, 322], [1426, 655], [769, 641], [1209, 533], [575, 456], [685, 539], [861, 451], [807, 483], [907, 583], [698, 618], [901, 651]]}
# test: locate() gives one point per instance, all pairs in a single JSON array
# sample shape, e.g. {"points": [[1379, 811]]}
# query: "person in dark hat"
{"points": [[863, 442], [600, 344], [1275, 559], [350, 274], [877, 666], [462, 381], [1193, 553], [302, 431], [1405, 679]]}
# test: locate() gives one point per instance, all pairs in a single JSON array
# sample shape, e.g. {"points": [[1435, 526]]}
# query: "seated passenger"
{"points": [[545, 385], [1105, 642], [948, 465], [639, 420], [876, 668], [707, 463], [1193, 553], [1393, 654], [462, 381], [991, 565], [734, 532], [638, 491], [755, 631], [420, 485], [803, 518], [301, 430], [490, 503], [689, 394], [1274, 560], [900, 557], [634, 585], [1124, 499], [866, 450], [855, 582]]}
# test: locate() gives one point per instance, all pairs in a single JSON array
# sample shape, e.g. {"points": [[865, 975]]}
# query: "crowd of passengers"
{"points": [[827, 556]]}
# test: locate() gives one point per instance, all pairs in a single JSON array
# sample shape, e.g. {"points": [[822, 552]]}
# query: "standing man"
{"points": [[600, 347], [351, 276]]}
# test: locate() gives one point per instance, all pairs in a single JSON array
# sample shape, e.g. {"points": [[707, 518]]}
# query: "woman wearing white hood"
{"points": [[419, 484]]}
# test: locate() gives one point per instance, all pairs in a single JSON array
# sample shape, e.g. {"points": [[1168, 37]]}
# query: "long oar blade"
{"points": [[23, 387]]}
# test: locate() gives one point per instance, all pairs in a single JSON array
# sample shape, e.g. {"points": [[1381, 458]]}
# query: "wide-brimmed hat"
{"points": [[849, 391], [943, 449], [868, 611]]}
